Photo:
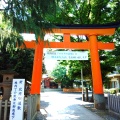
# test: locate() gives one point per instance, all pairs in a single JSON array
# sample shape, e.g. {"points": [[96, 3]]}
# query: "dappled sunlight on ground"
{"points": [[64, 117], [69, 106], [63, 106]]}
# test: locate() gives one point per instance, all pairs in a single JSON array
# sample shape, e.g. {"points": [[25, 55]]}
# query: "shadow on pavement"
{"points": [[44, 104]]}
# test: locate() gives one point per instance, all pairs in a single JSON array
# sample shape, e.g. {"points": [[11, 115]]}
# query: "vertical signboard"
{"points": [[17, 101]]}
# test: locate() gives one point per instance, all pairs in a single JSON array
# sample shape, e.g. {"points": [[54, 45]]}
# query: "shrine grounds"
{"points": [[56, 105]]}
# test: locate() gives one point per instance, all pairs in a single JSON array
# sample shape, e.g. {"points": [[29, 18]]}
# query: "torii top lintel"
{"points": [[85, 29], [88, 30]]}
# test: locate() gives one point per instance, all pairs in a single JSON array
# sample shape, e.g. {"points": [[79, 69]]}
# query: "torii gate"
{"points": [[93, 45]]}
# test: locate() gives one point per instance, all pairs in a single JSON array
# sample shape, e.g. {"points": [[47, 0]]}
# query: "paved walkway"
{"points": [[63, 106]]}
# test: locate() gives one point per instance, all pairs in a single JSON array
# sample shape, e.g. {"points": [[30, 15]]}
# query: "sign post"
{"points": [[17, 101], [82, 85]]}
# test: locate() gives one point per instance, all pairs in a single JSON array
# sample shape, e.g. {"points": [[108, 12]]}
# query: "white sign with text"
{"points": [[17, 101], [67, 55]]}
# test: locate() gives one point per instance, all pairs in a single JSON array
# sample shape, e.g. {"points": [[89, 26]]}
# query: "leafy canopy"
{"points": [[9, 38], [31, 15], [38, 16]]}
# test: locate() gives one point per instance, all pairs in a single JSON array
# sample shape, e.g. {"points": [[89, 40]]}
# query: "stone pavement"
{"points": [[65, 106]]}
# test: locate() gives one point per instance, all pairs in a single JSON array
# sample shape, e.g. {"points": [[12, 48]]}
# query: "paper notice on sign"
{"points": [[67, 55], [17, 101]]}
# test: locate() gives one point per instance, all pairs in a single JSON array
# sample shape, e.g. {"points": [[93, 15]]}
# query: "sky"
{"points": [[50, 64], [2, 4]]}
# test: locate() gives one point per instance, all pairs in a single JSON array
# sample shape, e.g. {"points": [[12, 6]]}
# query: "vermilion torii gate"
{"points": [[92, 44]]}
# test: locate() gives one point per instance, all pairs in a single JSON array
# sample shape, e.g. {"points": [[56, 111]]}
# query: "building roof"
{"points": [[8, 72], [113, 75]]}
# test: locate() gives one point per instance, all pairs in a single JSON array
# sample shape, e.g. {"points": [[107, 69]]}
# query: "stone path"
{"points": [[59, 106], [67, 106]]}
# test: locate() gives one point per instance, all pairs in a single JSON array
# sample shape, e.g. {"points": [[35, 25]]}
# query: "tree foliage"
{"points": [[20, 61], [9, 38], [87, 12], [37, 15], [59, 74], [74, 68], [31, 15]]}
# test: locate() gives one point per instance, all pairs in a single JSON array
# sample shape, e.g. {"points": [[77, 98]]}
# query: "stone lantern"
{"points": [[6, 85]]}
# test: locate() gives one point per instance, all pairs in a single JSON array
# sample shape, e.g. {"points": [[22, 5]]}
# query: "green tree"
{"points": [[107, 66], [74, 69], [32, 15], [59, 74], [87, 12], [115, 54], [37, 16], [9, 38], [20, 60]]}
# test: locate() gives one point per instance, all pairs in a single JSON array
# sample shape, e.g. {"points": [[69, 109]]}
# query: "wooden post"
{"points": [[86, 94], [0, 108], [29, 107], [37, 68], [99, 101], [38, 102], [5, 109]]}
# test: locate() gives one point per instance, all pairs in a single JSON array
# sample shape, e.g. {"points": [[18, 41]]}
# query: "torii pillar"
{"points": [[93, 45], [99, 101]]}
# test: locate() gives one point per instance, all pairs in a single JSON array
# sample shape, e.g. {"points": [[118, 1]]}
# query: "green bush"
{"points": [[106, 91], [113, 90]]}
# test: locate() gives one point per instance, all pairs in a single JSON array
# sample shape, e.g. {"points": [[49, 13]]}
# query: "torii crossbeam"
{"points": [[93, 45]]}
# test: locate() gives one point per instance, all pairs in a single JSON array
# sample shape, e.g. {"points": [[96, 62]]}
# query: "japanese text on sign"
{"points": [[17, 101]]}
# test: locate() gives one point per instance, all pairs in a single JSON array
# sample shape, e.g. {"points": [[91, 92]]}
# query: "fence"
{"points": [[31, 106], [114, 104], [4, 110]]}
